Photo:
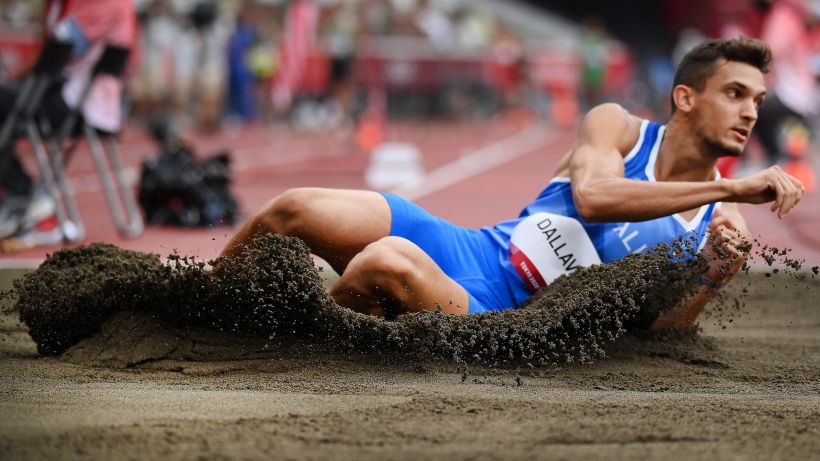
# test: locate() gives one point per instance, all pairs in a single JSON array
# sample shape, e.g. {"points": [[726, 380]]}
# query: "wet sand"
{"points": [[746, 387]]}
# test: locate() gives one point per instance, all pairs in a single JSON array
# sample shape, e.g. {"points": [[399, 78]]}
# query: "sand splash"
{"points": [[272, 289]]}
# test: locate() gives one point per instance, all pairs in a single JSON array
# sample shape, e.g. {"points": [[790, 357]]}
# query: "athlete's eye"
{"points": [[733, 93]]}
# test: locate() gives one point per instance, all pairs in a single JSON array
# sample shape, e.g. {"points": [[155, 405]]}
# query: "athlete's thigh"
{"points": [[431, 287], [396, 269], [337, 223], [467, 256]]}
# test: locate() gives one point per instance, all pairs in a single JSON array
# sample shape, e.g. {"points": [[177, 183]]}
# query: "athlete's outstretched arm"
{"points": [[602, 194], [726, 249]]}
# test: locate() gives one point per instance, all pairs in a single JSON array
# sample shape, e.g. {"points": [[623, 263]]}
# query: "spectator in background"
{"points": [[241, 79], [265, 58], [594, 50], [784, 124], [473, 30], [90, 25], [377, 17], [433, 20], [253, 61], [300, 26], [16, 13], [399, 17], [152, 86], [201, 71], [340, 33]]}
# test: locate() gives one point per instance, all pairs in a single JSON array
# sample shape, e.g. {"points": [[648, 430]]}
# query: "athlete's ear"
{"points": [[684, 97]]}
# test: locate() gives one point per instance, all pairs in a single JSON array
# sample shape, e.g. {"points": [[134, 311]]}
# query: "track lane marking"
{"points": [[480, 160]]}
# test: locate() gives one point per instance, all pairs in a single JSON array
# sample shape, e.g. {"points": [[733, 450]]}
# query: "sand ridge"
{"points": [[272, 289]]}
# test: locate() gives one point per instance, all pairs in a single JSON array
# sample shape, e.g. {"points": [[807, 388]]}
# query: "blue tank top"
{"points": [[550, 238]]}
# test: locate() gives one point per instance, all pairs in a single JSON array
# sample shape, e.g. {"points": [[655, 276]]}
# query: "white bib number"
{"points": [[545, 246]]}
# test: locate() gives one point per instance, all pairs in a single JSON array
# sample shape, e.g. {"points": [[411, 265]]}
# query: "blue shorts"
{"points": [[468, 256]]}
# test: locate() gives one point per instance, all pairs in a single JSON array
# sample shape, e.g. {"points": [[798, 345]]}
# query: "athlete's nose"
{"points": [[749, 110]]}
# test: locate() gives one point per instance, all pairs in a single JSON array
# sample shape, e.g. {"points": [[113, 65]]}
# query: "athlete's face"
{"points": [[725, 112]]}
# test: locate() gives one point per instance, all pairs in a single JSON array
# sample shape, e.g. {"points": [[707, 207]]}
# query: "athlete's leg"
{"points": [[350, 229], [393, 275], [335, 224]]}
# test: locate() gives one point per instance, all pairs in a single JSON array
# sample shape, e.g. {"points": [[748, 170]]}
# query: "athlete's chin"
{"points": [[728, 149], [732, 151]]}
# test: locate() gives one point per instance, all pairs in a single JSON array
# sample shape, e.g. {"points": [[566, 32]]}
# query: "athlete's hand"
{"points": [[770, 185], [727, 248]]}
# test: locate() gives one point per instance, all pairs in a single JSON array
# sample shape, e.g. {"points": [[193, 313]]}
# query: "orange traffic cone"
{"points": [[797, 144], [564, 109], [370, 131]]}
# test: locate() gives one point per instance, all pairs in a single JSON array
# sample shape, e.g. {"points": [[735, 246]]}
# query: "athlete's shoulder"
{"points": [[612, 121]]}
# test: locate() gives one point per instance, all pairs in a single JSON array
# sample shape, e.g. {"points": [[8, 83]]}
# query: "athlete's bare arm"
{"points": [[726, 248], [602, 194]]}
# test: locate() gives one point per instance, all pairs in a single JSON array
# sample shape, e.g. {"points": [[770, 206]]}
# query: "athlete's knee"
{"points": [[387, 263], [287, 212]]}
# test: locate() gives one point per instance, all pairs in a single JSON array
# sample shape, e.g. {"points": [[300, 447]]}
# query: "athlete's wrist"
{"points": [[710, 283], [728, 189]]}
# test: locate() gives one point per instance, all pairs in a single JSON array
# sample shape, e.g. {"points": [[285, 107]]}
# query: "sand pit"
{"points": [[144, 384]]}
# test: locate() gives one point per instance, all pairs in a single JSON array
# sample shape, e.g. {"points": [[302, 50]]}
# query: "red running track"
{"points": [[461, 187]]}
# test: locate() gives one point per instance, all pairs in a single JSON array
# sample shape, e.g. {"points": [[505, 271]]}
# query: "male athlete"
{"points": [[626, 185]]}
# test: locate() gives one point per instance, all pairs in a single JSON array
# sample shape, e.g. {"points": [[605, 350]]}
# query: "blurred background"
{"points": [[164, 123]]}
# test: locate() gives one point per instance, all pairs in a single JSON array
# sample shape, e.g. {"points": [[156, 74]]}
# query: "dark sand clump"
{"points": [[75, 291], [273, 290]]}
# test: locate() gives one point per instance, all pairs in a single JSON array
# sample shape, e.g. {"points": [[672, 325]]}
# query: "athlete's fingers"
{"points": [[791, 195], [797, 183], [784, 192], [717, 232], [719, 218], [725, 259], [729, 236], [796, 189], [772, 185], [778, 199], [732, 240], [742, 241], [721, 243], [719, 222], [734, 236], [731, 250], [788, 196], [785, 199], [740, 249]]}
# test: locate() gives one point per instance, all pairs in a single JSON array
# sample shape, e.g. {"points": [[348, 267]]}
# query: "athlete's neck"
{"points": [[681, 158]]}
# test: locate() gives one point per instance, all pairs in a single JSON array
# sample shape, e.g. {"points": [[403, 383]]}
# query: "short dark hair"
{"points": [[700, 62]]}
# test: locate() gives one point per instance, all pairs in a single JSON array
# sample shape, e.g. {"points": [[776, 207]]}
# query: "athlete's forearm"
{"points": [[683, 315], [628, 200]]}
